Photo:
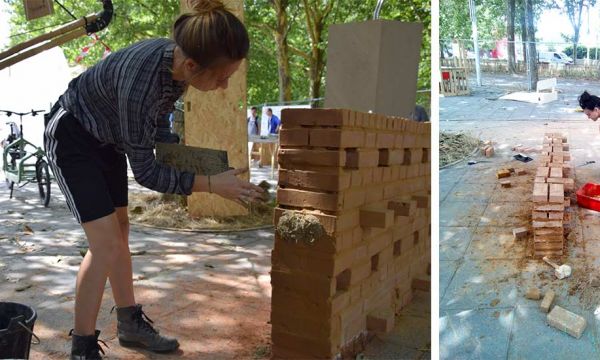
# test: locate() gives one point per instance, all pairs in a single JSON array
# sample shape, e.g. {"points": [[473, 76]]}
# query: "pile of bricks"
{"points": [[366, 178], [552, 179]]}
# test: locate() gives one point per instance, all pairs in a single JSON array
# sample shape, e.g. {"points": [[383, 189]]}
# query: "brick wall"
{"points": [[552, 179], [366, 178]]}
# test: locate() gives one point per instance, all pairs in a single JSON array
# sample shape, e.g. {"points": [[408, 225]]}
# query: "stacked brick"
{"points": [[366, 178], [552, 179]]}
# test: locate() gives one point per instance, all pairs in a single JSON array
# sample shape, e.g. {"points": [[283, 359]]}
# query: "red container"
{"points": [[588, 196]]}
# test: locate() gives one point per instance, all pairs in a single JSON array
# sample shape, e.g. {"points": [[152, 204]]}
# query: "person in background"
{"points": [[253, 122], [590, 104], [274, 122], [419, 114]]}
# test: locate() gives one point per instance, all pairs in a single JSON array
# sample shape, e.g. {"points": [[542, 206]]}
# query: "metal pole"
{"points": [[475, 41], [528, 63], [377, 9]]}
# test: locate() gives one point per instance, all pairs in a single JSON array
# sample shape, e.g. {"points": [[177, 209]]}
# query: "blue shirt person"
{"points": [[274, 122]]}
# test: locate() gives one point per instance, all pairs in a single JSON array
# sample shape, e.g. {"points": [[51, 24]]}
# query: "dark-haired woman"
{"points": [[110, 113], [590, 105]]}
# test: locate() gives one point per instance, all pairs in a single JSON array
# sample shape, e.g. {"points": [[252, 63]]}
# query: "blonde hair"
{"points": [[210, 34]]}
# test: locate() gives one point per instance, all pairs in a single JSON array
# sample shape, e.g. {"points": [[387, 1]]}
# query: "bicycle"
{"points": [[17, 159]]}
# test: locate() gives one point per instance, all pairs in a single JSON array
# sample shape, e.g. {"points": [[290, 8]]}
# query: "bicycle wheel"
{"points": [[42, 175]]}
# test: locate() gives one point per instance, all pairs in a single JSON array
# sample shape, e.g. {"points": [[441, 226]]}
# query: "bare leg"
{"points": [[104, 238], [121, 275]]}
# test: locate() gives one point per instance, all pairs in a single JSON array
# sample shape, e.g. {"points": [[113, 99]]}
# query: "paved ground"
{"points": [[212, 291], [484, 273]]}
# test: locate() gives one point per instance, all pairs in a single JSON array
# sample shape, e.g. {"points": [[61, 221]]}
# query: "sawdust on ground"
{"points": [[158, 210], [454, 147]]}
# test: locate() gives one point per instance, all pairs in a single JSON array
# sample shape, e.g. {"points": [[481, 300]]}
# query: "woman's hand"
{"points": [[229, 186]]}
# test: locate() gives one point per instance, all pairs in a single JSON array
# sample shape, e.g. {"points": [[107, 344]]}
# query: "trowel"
{"points": [[562, 271]]}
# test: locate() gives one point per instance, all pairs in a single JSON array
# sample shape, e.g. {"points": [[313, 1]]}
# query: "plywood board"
{"points": [[373, 66], [192, 159], [38, 8], [217, 120]]}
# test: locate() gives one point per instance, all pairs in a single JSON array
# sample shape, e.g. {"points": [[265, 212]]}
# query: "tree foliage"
{"points": [[574, 10], [133, 21], [136, 20], [455, 22]]}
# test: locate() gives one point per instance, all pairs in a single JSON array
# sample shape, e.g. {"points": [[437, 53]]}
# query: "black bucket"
{"points": [[16, 329]]}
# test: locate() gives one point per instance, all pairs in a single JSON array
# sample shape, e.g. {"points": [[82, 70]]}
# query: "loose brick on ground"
{"points": [[502, 173], [566, 321], [547, 301], [520, 233], [533, 294]]}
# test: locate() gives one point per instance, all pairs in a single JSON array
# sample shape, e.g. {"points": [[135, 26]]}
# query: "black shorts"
{"points": [[92, 176]]}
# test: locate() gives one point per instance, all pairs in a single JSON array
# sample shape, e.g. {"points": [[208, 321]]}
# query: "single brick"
{"points": [[314, 180], [421, 284], [489, 151], [381, 320], [422, 201], [547, 301], [556, 172], [553, 180], [416, 156], [533, 294], [540, 192], [547, 224], [337, 138], [549, 207], [543, 172], [289, 158], [567, 321], [308, 199], [403, 207], [362, 158], [557, 193], [378, 218], [370, 139], [291, 118], [388, 157], [399, 142], [520, 172], [505, 183], [385, 140], [502, 173], [520, 233], [293, 137]]}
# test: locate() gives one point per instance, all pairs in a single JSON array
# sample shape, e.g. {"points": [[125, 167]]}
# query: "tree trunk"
{"points": [[510, 30], [283, 57], [523, 30], [316, 17], [317, 66], [532, 58]]}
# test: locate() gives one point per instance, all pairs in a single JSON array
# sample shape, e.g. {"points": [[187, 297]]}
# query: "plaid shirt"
{"points": [[121, 99]]}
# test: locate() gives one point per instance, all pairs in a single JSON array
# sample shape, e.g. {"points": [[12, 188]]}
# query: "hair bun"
{"points": [[202, 7], [585, 96]]}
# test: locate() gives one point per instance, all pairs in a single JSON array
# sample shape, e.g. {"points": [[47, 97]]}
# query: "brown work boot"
{"points": [[86, 347], [134, 329]]}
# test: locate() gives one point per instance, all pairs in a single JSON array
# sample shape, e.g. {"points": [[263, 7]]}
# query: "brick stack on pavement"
{"points": [[553, 178]]}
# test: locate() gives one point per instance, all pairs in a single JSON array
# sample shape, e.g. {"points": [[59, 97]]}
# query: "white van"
{"points": [[553, 57]]}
